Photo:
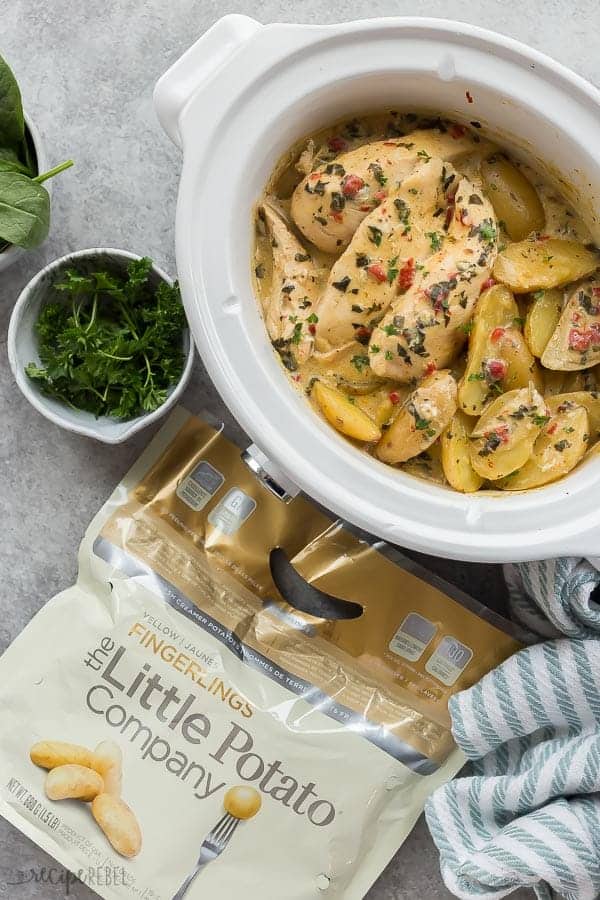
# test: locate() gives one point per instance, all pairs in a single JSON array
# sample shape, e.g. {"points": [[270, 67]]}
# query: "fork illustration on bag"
{"points": [[212, 846], [240, 802]]}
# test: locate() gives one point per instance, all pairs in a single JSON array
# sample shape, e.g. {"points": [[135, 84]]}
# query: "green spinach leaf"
{"points": [[24, 210], [12, 123]]}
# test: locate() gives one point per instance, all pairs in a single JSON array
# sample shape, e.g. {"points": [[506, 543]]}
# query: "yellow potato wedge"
{"points": [[348, 366], [384, 411], [560, 446], [420, 420], [591, 403], [541, 265], [498, 359], [456, 460], [513, 197], [496, 308], [503, 438], [344, 415], [568, 382], [427, 464], [575, 342], [542, 319]]}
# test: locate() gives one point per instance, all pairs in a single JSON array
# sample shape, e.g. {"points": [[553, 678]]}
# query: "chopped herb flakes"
{"points": [[342, 284], [375, 235]]}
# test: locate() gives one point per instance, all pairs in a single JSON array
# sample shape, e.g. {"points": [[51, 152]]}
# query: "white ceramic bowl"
{"points": [[276, 83], [13, 253], [22, 349]]}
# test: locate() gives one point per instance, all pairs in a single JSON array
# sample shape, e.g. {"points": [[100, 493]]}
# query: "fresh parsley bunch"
{"points": [[24, 201], [112, 344]]}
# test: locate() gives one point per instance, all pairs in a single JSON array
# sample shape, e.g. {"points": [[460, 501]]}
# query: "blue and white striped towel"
{"points": [[527, 810]]}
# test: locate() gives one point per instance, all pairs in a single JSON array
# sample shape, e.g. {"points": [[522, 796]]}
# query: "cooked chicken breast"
{"points": [[426, 325], [329, 204], [296, 285], [386, 246]]}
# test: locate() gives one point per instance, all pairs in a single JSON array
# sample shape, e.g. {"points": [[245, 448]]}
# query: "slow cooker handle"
{"points": [[197, 66]]}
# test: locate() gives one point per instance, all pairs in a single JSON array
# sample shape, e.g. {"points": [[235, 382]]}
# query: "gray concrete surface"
{"points": [[87, 72]]}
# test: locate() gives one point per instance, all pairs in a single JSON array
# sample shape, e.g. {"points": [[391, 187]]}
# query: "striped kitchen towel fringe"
{"points": [[526, 811]]}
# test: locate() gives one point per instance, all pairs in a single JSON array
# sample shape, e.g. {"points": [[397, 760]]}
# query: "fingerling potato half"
{"points": [[541, 265], [503, 438], [344, 415], [421, 419], [498, 357], [559, 447], [575, 341], [50, 754], [542, 319], [456, 460], [514, 198], [590, 401]]}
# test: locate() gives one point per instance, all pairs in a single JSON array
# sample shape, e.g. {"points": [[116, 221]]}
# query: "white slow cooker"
{"points": [[234, 103]]}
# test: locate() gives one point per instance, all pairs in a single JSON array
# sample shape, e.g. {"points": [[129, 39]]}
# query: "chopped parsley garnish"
{"points": [[392, 272], [338, 201], [297, 333], [318, 188], [375, 235], [467, 327], [335, 169], [540, 421], [390, 330], [403, 210], [435, 240], [112, 343], [476, 376], [313, 319], [378, 173], [486, 231], [342, 284], [374, 349], [359, 362]]}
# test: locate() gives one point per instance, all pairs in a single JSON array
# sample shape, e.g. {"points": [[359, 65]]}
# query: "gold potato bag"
{"points": [[176, 644]]}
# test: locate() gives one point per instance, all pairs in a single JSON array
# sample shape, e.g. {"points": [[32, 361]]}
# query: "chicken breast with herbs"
{"points": [[427, 324], [385, 250], [296, 285], [330, 203]]}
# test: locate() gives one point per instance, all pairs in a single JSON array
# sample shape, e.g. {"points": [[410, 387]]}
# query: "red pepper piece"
{"points": [[351, 185], [378, 272], [337, 144], [394, 397], [406, 275], [496, 369], [457, 131]]}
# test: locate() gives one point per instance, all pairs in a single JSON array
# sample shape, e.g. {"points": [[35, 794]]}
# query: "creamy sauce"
{"points": [[347, 368]]}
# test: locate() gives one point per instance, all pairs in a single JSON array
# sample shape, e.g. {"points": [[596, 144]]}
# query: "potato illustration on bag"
{"points": [[77, 773]]}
